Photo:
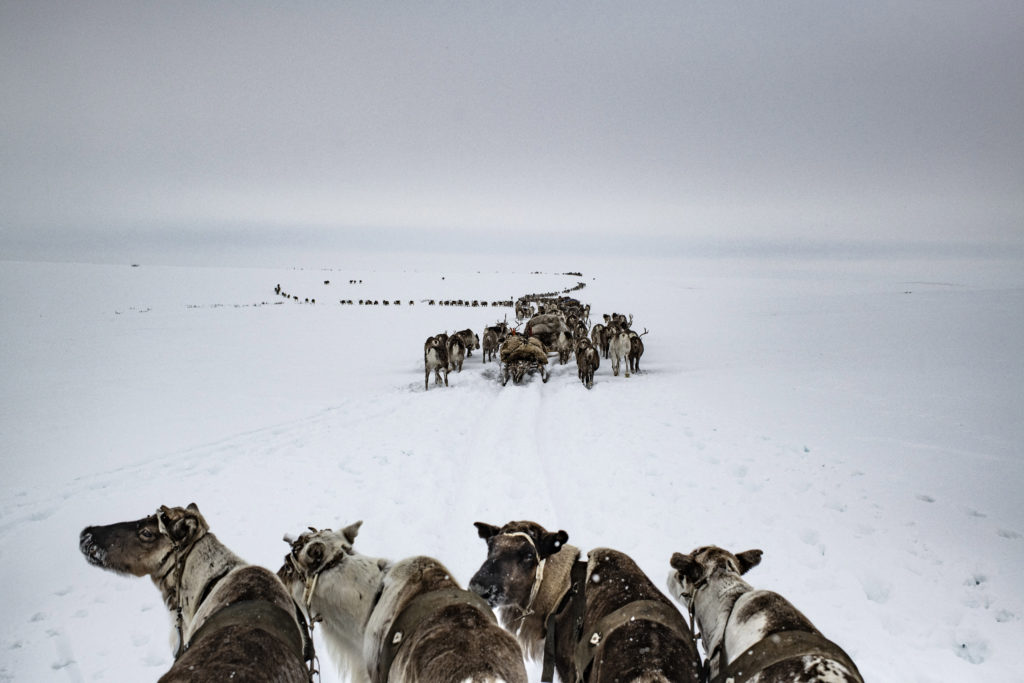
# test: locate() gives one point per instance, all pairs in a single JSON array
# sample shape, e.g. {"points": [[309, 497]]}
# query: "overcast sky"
{"points": [[398, 123]]}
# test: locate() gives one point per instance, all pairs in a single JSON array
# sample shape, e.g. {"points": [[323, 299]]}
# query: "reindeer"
{"points": [[471, 340], [591, 617], [435, 358], [619, 347], [597, 335], [231, 619], [490, 346], [580, 331], [636, 349], [456, 352], [564, 346], [404, 621], [588, 360], [493, 338]]}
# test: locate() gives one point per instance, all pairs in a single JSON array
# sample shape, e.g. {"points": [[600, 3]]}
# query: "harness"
{"points": [[770, 650], [538, 579], [575, 596], [407, 621], [640, 610], [589, 643], [309, 587], [779, 647], [181, 553], [266, 616], [417, 610], [706, 673]]}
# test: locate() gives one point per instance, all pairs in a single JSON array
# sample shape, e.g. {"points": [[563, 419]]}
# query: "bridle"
{"points": [[691, 601], [181, 553], [537, 580], [309, 583]]}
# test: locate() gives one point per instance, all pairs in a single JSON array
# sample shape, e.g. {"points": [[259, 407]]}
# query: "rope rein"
{"points": [[309, 587], [181, 553], [537, 581]]}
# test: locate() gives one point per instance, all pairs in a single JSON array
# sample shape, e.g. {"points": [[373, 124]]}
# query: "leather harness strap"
{"points": [[418, 609], [778, 647], [260, 614], [640, 610], [577, 597]]}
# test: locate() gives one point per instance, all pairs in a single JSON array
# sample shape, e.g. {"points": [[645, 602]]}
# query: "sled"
{"points": [[520, 356]]}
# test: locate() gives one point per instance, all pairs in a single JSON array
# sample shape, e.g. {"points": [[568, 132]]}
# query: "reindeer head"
{"points": [[706, 563], [145, 546], [316, 550], [514, 553]]}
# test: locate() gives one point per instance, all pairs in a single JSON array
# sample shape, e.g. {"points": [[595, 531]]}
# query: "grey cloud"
{"points": [[795, 121]]}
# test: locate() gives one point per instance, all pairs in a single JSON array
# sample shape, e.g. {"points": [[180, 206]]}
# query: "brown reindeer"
{"points": [[233, 620], [598, 620], [435, 358]]}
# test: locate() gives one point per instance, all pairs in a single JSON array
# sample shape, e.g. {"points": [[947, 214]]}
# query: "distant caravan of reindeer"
{"points": [[546, 325]]}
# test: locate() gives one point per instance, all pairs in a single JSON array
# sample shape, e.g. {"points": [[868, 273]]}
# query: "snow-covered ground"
{"points": [[862, 423]]}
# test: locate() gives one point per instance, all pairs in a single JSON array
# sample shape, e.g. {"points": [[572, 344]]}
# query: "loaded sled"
{"points": [[521, 356]]}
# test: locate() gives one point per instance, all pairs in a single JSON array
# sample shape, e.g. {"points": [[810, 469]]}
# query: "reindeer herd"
{"points": [[588, 616], [551, 321], [559, 324]]}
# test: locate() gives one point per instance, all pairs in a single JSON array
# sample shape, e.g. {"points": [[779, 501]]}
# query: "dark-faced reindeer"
{"points": [[580, 332], [636, 349], [397, 622], [597, 620], [752, 635], [232, 620], [588, 360], [435, 359]]}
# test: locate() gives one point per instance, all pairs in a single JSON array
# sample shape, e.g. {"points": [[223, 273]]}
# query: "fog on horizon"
{"points": [[135, 130]]}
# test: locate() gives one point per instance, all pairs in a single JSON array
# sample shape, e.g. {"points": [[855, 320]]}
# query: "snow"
{"points": [[861, 422]]}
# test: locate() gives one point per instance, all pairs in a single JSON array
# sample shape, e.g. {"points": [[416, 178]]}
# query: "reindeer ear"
{"points": [[485, 530], [687, 567], [351, 530], [550, 543], [182, 525], [748, 560]]}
